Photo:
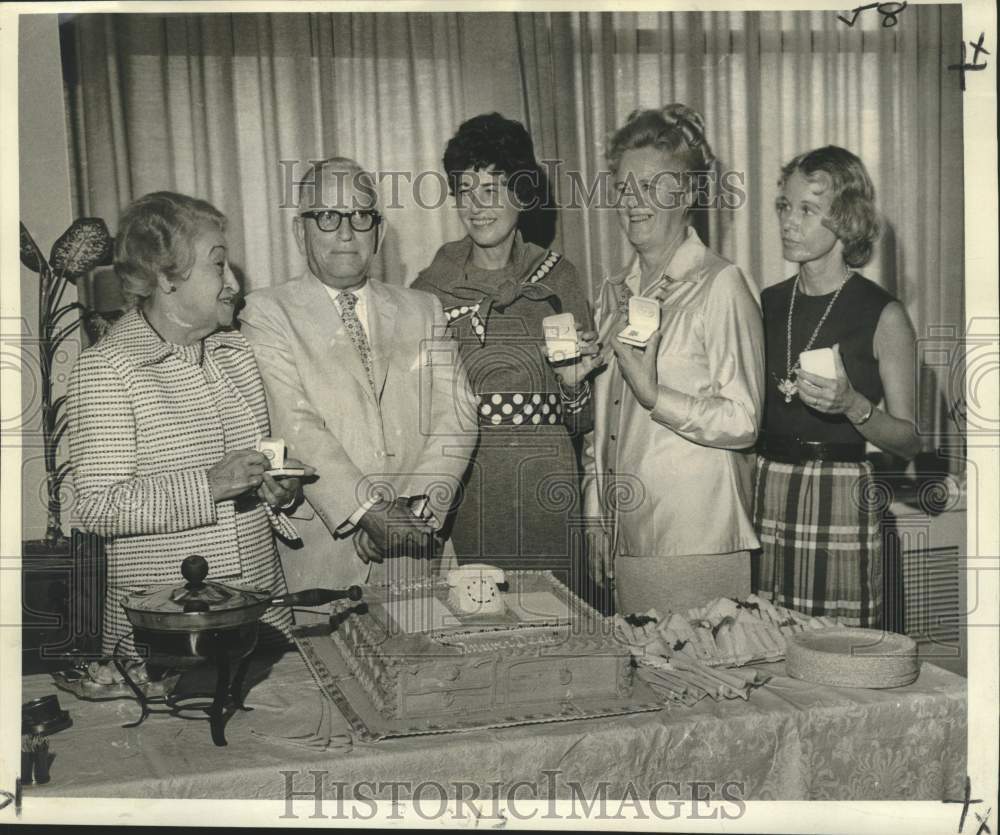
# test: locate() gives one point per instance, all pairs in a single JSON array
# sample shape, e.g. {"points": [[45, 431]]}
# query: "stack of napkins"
{"points": [[724, 633], [675, 675], [682, 680], [682, 655]]}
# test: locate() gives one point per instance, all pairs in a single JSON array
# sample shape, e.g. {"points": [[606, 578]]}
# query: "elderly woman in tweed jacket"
{"points": [[164, 414]]}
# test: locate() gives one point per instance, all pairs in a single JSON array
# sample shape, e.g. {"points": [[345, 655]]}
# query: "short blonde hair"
{"points": [[852, 218], [155, 237]]}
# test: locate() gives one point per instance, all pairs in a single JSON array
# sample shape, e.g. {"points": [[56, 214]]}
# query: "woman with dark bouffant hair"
{"points": [[820, 537], [670, 469], [496, 288]]}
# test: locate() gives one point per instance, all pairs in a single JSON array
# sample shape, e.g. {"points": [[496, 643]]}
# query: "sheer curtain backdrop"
{"points": [[231, 107], [769, 85], [213, 104]]}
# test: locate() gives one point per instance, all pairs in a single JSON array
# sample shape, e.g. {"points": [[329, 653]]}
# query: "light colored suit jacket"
{"points": [[678, 479], [398, 439]]}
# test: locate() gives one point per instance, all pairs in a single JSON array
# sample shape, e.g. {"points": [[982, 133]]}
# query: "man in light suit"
{"points": [[363, 383]]}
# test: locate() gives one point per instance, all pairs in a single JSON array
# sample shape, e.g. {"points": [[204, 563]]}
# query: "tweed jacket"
{"points": [[409, 436], [678, 479], [144, 431]]}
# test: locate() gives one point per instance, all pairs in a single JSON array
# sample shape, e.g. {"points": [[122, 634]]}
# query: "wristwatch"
{"points": [[866, 416]]}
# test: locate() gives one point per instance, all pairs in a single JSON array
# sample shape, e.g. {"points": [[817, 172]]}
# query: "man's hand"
{"points": [[365, 548], [395, 530]]}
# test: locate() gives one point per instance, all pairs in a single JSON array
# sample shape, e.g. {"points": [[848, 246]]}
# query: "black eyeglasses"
{"points": [[328, 220]]}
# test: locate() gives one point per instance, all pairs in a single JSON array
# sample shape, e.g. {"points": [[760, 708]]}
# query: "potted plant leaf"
{"points": [[75, 601]]}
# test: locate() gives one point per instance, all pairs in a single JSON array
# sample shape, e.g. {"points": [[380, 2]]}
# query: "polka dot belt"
{"points": [[519, 409]]}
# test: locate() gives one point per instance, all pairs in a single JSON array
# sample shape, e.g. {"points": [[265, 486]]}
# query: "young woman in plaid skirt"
{"points": [[816, 504]]}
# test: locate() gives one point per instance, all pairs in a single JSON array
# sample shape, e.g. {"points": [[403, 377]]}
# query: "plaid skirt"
{"points": [[821, 544]]}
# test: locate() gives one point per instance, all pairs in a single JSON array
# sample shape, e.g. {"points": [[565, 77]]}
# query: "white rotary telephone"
{"points": [[474, 589]]}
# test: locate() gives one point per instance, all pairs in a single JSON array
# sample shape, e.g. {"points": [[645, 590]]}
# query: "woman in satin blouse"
{"points": [[669, 467]]}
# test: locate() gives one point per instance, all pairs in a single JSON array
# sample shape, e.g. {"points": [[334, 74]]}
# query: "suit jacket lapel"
{"points": [[327, 316], [382, 324]]}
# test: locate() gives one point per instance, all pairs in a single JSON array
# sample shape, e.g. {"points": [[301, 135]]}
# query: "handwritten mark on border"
{"points": [[983, 828], [6, 798], [890, 16], [970, 66], [966, 802]]}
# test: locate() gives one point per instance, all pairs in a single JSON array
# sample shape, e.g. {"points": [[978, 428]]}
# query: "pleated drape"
{"points": [[770, 85], [231, 107]]}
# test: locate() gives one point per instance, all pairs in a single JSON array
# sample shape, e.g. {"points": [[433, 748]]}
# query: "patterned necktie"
{"points": [[348, 312]]}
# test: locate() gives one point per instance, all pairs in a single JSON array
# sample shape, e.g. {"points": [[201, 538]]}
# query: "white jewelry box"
{"points": [[819, 361], [274, 451], [643, 320], [560, 337]]}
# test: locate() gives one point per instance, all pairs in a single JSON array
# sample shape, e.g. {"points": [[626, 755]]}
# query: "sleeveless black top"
{"points": [[852, 322]]}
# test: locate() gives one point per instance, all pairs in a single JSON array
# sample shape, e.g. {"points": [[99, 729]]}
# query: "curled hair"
{"points": [[852, 216], [492, 140], [675, 129], [156, 236]]}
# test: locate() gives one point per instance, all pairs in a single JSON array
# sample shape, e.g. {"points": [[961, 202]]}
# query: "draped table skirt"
{"points": [[790, 741]]}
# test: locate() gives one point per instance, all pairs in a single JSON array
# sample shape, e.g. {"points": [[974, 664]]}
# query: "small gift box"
{"points": [[560, 337], [820, 362], [643, 320], [273, 450]]}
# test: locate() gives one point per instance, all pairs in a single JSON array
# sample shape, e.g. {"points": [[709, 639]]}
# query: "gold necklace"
{"points": [[787, 386]]}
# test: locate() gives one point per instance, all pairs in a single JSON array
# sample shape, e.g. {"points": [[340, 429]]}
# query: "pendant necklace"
{"points": [[788, 386]]}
